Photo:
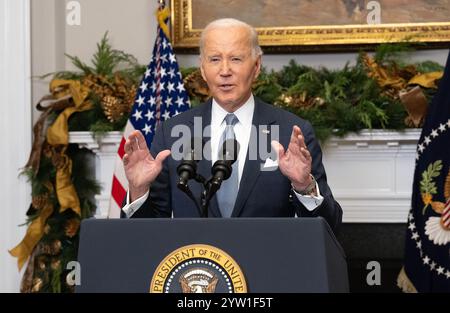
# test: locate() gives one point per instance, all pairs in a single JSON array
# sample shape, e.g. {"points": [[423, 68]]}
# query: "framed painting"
{"points": [[292, 25]]}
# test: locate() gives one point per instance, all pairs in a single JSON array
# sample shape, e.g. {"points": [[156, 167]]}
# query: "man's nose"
{"points": [[225, 69]]}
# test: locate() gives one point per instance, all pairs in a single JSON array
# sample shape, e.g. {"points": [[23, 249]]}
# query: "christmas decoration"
{"points": [[98, 99], [381, 91]]}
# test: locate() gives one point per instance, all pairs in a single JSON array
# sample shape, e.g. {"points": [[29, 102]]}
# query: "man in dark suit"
{"points": [[293, 183]]}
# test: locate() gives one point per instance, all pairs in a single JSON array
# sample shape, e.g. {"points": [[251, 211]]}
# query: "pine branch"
{"points": [[87, 70]]}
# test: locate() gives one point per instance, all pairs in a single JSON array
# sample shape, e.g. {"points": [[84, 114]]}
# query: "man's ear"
{"points": [[201, 68], [258, 66]]}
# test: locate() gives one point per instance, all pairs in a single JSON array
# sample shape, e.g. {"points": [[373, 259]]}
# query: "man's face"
{"points": [[228, 66]]}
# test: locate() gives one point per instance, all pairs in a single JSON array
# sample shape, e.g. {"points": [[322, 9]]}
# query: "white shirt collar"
{"points": [[244, 113]]}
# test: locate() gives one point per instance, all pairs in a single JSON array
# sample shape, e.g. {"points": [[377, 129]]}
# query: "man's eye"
{"points": [[236, 60], [214, 60]]}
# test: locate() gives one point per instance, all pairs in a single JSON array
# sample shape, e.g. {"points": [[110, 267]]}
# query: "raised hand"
{"points": [[295, 162], [141, 169]]}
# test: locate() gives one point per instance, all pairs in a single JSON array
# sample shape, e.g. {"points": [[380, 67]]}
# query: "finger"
{"points": [[125, 159], [299, 136], [142, 144], [306, 154], [301, 156], [294, 134], [134, 140], [301, 141], [128, 148], [298, 130], [294, 143], [279, 149], [162, 156]]}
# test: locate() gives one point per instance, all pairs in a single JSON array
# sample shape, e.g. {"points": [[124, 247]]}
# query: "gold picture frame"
{"points": [[185, 35]]}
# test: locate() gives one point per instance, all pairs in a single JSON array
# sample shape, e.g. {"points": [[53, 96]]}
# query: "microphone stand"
{"points": [[221, 171], [210, 187], [205, 196]]}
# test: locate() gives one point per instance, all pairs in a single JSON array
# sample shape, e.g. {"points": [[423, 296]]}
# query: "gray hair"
{"points": [[231, 22]]}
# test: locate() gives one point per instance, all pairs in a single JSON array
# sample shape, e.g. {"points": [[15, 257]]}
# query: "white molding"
{"points": [[105, 150], [15, 132], [371, 173], [105, 143], [388, 136]]}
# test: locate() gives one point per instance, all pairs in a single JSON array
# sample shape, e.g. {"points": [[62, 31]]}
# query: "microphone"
{"points": [[187, 169], [222, 168]]}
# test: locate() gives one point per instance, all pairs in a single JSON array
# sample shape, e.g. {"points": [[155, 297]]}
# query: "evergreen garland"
{"points": [[337, 102], [59, 244]]}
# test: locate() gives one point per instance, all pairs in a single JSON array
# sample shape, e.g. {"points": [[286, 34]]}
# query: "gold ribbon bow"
{"points": [[58, 138], [404, 87]]}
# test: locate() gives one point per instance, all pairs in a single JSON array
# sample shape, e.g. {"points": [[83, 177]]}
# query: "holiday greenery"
{"points": [[46, 270], [96, 98], [384, 91], [372, 94], [113, 79]]}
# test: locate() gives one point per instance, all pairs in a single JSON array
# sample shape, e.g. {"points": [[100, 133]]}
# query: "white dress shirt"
{"points": [[242, 131]]}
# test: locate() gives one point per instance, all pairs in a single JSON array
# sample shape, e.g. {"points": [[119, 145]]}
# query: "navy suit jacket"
{"points": [[261, 193]]}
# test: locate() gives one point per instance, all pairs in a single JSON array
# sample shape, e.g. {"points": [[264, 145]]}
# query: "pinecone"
{"points": [[196, 86], [114, 108]]}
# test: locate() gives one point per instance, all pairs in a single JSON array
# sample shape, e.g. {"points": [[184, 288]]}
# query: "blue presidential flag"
{"points": [[427, 249]]}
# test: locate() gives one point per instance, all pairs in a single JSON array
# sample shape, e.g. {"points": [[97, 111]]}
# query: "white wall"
{"points": [[15, 132], [47, 41], [131, 26]]}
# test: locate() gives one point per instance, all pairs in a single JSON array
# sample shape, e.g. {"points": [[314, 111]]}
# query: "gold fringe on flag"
{"points": [[404, 283]]}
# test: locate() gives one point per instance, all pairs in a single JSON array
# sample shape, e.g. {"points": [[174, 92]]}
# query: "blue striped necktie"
{"points": [[226, 195]]}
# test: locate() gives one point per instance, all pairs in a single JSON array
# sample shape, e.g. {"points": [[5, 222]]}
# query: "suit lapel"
{"points": [[252, 168]]}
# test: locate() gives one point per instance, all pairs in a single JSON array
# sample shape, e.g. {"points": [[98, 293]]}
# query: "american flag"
{"points": [[161, 95]]}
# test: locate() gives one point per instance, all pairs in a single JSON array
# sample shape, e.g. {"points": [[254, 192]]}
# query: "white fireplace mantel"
{"points": [[105, 151], [370, 173]]}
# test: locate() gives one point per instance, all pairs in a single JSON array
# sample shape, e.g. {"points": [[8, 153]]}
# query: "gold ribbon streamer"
{"points": [[65, 190], [34, 159], [162, 15], [34, 233], [57, 135]]}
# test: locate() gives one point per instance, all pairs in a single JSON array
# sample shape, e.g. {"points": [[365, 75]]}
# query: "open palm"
{"points": [[141, 169], [295, 162]]}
